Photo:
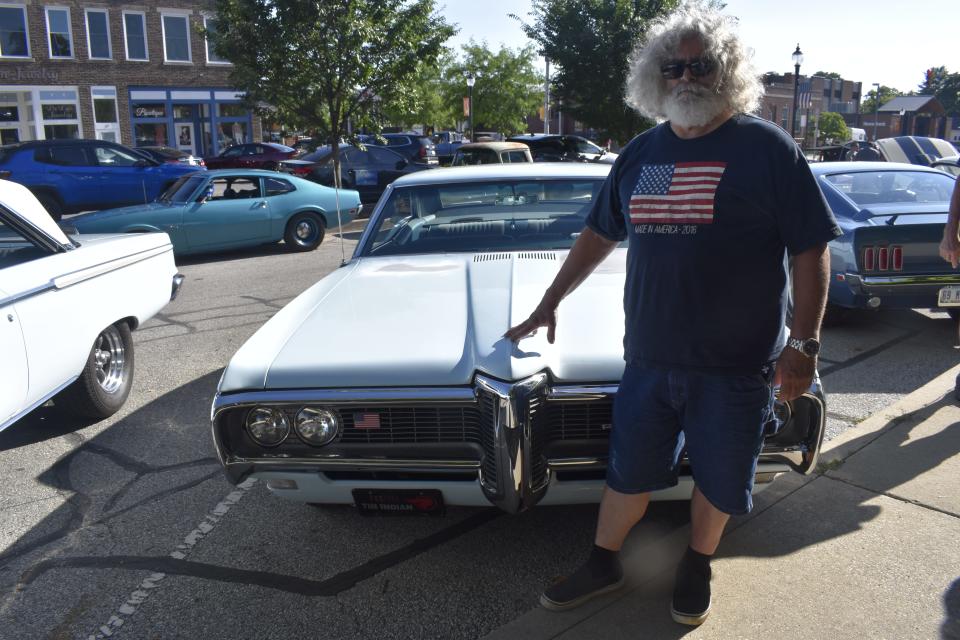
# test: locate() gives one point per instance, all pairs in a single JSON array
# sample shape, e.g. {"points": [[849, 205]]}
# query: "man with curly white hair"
{"points": [[711, 202]]}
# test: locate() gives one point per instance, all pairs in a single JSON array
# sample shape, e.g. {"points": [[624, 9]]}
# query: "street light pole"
{"points": [[470, 81], [876, 109], [797, 61]]}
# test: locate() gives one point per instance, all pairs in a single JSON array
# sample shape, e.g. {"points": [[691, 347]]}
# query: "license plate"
{"points": [[399, 502], [949, 297]]}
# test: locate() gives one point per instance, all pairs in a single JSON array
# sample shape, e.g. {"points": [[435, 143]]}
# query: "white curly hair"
{"points": [[738, 88]]}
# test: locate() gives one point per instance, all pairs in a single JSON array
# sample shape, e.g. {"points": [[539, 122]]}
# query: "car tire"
{"points": [[304, 232], [106, 379], [51, 203]]}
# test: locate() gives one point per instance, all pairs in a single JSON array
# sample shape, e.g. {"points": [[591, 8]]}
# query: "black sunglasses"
{"points": [[698, 68]]}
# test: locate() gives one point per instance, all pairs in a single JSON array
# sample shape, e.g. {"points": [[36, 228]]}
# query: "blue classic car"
{"points": [[892, 217], [231, 208]]}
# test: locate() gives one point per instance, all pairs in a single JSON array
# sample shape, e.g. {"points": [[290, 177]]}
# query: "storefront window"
{"points": [[9, 136], [104, 110], [232, 133], [59, 111], [13, 32], [231, 111], [61, 131], [9, 114], [150, 134], [182, 111], [149, 111]]}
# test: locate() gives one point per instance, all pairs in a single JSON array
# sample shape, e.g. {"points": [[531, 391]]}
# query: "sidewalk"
{"points": [[867, 548]]}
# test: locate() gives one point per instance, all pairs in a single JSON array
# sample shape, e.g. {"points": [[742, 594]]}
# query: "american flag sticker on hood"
{"points": [[680, 193]]}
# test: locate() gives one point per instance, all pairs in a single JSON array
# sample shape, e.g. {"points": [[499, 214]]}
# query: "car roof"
{"points": [[821, 168], [486, 172], [496, 146], [265, 173], [542, 136]]}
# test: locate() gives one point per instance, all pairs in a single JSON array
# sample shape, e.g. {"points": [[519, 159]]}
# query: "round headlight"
{"points": [[267, 426], [317, 426]]}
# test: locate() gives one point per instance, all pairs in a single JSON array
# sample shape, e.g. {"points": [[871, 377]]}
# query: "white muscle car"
{"points": [[67, 307], [388, 385]]}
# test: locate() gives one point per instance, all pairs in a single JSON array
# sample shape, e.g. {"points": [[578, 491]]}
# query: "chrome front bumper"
{"points": [[177, 282], [513, 473]]}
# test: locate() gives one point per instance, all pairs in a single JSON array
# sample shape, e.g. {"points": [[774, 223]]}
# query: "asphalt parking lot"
{"points": [[127, 527]]}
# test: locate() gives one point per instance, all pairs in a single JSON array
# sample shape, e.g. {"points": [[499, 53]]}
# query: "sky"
{"points": [[884, 41]]}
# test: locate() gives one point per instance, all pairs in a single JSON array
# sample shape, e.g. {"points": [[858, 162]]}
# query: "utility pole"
{"points": [[546, 99]]}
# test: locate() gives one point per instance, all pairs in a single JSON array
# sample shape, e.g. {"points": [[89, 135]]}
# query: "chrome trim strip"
{"points": [[27, 294], [580, 393], [88, 273], [941, 279], [238, 469], [563, 464], [386, 395]]}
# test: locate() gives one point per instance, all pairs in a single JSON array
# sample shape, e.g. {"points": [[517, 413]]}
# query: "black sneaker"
{"points": [[584, 584], [691, 592]]}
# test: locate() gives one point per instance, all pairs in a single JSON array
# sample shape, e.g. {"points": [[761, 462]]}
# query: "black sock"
{"points": [[604, 561], [696, 559]]}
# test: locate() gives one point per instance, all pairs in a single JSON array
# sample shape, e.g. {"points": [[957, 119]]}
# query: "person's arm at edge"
{"points": [[811, 276], [950, 245], [587, 252]]}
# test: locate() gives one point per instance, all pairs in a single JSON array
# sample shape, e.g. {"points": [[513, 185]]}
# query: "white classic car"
{"points": [[388, 383], [67, 307]]}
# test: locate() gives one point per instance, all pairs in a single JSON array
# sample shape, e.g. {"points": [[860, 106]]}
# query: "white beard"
{"points": [[692, 105]]}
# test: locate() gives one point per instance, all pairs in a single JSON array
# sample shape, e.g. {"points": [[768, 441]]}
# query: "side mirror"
{"points": [[206, 195], [401, 164]]}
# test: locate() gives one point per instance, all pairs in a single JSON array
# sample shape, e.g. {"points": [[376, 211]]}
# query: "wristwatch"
{"points": [[809, 347]]}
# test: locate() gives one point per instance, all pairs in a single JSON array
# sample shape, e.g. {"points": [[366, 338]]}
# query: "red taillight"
{"points": [[423, 152], [883, 258], [301, 171], [201, 163], [897, 258], [869, 259]]}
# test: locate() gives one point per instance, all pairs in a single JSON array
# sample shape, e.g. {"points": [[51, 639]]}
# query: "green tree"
{"points": [[948, 92], [589, 42], [508, 87], [933, 79], [832, 128], [427, 104], [828, 74], [323, 65], [868, 104]]}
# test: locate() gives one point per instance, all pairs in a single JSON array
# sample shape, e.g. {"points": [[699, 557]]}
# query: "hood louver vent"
{"points": [[486, 257], [537, 255]]}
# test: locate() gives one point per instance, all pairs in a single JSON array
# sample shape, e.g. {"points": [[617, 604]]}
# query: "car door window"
{"points": [[516, 156], [250, 150], [582, 146], [235, 188], [113, 157], [66, 156], [383, 158], [278, 186], [15, 248], [232, 152]]}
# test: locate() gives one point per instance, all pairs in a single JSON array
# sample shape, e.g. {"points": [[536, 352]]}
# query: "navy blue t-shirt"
{"points": [[709, 221]]}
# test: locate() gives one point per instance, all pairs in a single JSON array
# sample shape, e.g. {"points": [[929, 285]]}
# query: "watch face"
{"points": [[811, 347]]}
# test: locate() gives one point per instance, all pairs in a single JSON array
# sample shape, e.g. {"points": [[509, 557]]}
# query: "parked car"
{"points": [[948, 164], [79, 175], [367, 171], [446, 144], [564, 148], [106, 285], [491, 153], [255, 155], [169, 154], [892, 217], [412, 146], [443, 410], [233, 208], [914, 149]]}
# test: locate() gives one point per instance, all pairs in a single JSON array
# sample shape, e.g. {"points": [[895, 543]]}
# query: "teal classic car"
{"points": [[231, 208]]}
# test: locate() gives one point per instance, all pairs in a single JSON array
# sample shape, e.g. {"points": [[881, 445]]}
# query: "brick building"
{"points": [[815, 96], [139, 73]]}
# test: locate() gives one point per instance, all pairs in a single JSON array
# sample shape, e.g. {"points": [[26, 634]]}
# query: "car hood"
{"points": [[108, 214], [436, 320]]}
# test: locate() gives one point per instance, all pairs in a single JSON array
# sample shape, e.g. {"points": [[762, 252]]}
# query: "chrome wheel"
{"points": [[306, 231], [109, 356]]}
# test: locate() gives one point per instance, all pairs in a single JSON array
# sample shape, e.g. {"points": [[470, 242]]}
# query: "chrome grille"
{"points": [[488, 465], [538, 440], [580, 420], [414, 425]]}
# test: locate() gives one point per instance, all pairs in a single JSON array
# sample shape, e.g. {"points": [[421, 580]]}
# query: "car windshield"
{"points": [[506, 215], [182, 189], [890, 187]]}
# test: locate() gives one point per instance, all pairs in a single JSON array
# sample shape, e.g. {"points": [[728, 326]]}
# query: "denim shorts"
{"points": [[718, 420]]}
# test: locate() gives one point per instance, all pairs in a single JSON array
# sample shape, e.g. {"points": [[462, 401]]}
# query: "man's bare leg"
{"points": [[619, 512], [691, 592]]}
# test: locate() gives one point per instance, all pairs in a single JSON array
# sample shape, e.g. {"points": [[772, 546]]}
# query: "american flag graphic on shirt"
{"points": [[679, 193]]}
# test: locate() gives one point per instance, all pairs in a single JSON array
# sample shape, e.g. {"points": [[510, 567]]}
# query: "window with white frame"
{"points": [[99, 46], [210, 24], [13, 32], [135, 35], [106, 122], [176, 37], [59, 32]]}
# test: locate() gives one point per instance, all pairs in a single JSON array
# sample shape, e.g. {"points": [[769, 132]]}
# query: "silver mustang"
{"points": [[388, 384]]}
